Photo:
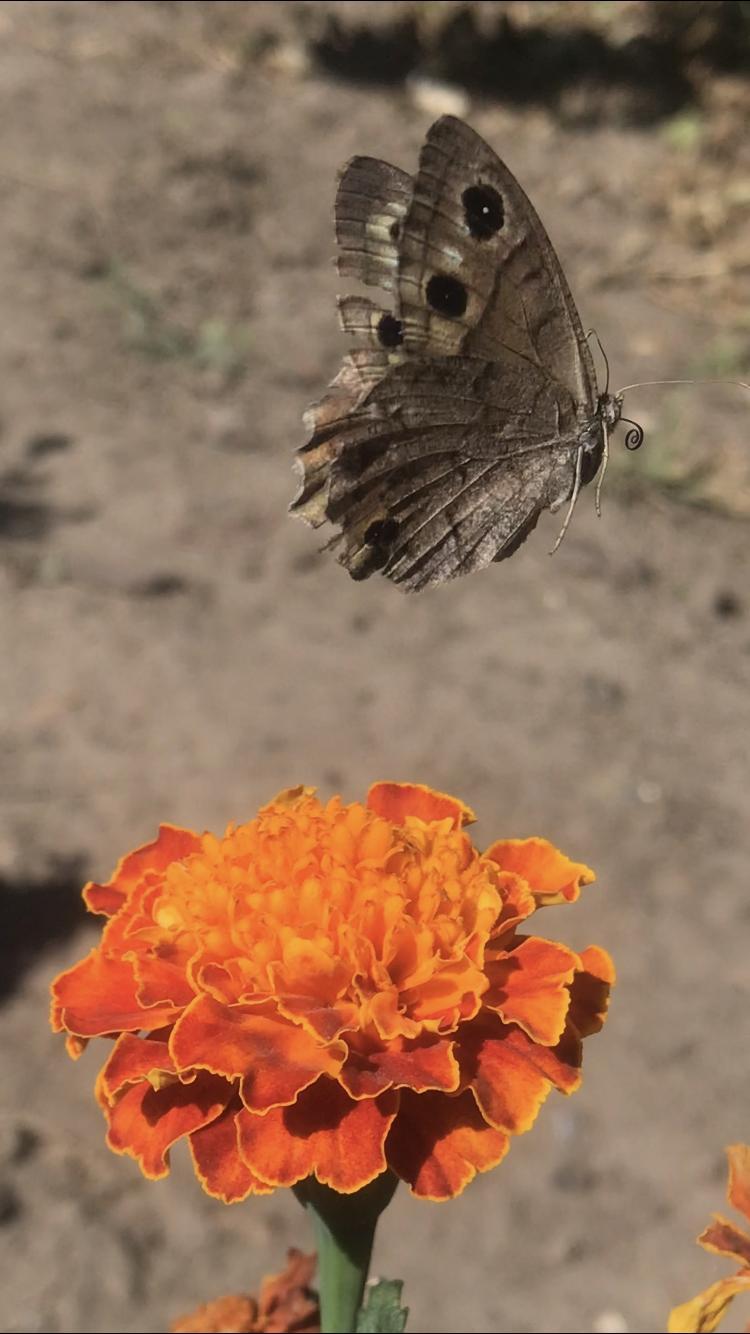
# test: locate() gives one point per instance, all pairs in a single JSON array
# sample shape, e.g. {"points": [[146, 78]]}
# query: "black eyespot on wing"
{"points": [[378, 540], [381, 533], [368, 562], [356, 458], [484, 211], [390, 331], [447, 295]]}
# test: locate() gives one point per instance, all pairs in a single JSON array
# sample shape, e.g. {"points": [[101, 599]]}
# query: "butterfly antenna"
{"points": [[634, 438], [645, 384], [573, 499]]}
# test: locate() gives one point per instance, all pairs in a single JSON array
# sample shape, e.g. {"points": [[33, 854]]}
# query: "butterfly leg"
{"points": [[602, 470], [573, 499]]}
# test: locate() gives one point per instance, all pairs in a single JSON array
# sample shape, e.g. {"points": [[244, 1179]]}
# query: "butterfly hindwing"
{"points": [[328, 421], [371, 203], [440, 473]]}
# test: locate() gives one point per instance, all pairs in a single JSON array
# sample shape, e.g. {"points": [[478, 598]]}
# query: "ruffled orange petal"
{"points": [[274, 1059], [438, 1144], [131, 1060], [309, 969], [170, 845], [590, 990], [159, 980], [288, 796], [517, 900], [386, 1014], [325, 1133], [99, 995], [218, 1165], [145, 1122], [396, 801], [560, 1064], [224, 981], [724, 1238], [738, 1191], [508, 1087], [427, 1063], [448, 996], [552, 877], [323, 1021], [530, 987], [705, 1312]]}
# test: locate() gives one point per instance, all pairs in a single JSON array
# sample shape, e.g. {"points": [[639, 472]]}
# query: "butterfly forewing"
{"points": [[472, 225]]}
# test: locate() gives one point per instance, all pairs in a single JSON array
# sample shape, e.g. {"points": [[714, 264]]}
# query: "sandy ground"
{"points": [[174, 647]]}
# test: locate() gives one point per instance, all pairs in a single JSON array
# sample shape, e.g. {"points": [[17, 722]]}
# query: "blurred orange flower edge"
{"points": [[721, 1237], [286, 1305], [334, 990]]}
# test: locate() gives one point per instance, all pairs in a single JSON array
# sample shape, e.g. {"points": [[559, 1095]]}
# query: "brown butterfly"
{"points": [[472, 405]]}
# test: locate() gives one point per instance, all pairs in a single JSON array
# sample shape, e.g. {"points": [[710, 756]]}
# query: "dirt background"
{"points": [[173, 647]]}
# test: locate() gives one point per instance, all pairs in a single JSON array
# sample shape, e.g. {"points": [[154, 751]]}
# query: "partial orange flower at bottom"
{"points": [[704, 1313], [331, 991], [286, 1305]]}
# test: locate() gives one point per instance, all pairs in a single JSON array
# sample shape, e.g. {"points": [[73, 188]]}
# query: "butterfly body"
{"points": [[470, 405]]}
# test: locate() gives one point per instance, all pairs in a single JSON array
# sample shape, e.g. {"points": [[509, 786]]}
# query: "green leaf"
{"points": [[382, 1312]]}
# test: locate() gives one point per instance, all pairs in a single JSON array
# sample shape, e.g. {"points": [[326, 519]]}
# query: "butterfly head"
{"points": [[610, 409], [609, 412]]}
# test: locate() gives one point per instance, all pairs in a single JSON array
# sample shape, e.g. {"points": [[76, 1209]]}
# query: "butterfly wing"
{"points": [[455, 420], [472, 239], [444, 467]]}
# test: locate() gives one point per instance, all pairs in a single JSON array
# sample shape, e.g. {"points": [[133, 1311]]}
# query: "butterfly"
{"points": [[470, 405]]}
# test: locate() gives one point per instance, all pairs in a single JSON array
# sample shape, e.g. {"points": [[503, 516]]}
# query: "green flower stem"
{"points": [[344, 1233]]}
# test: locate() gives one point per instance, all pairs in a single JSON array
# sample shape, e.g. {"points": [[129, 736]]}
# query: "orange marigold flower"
{"points": [[332, 990], [704, 1312]]}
